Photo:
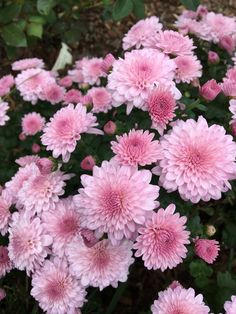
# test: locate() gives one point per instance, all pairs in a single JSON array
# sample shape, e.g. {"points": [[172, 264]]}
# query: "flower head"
{"points": [[188, 68], [208, 250], [27, 63], [53, 93], [210, 90], [32, 123], [73, 96], [6, 82], [101, 99], [3, 113], [230, 306], [87, 163], [5, 214]]}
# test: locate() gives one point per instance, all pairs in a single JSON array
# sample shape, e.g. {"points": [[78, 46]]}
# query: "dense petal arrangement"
{"points": [[32, 123], [101, 99], [188, 68], [206, 249], [27, 63]]}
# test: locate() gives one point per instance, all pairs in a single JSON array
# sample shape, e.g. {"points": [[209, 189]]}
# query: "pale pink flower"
{"points": [[53, 93], [115, 199], [101, 99], [28, 242], [175, 284], [201, 11], [228, 87], [88, 237], [188, 69], [44, 164], [2, 294], [110, 128], [179, 300], [230, 306], [4, 107], [232, 108], [32, 123], [6, 82], [35, 148], [76, 75], [27, 63], [27, 160], [107, 63], [213, 57], [226, 42], [65, 128], [141, 32], [73, 96], [207, 250], [198, 160], [66, 81], [210, 90], [231, 74], [56, 290], [88, 163], [5, 262], [5, 214], [136, 148], [162, 240], [92, 71], [161, 107], [101, 265]]}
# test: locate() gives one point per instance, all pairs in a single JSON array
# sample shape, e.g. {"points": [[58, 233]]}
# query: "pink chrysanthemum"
{"points": [[141, 31], [32, 123], [210, 90], [231, 74], [45, 165], [6, 82], [188, 69], [92, 70], [228, 87], [107, 63], [56, 290], [101, 99], [66, 81], [28, 242], [27, 63], [197, 160], [114, 199], [3, 113], [27, 160], [179, 300], [65, 128], [133, 77], [73, 96], [53, 93], [136, 148], [102, 264], [162, 241], [5, 214], [5, 262], [230, 306], [171, 42], [161, 106], [208, 250], [232, 108]]}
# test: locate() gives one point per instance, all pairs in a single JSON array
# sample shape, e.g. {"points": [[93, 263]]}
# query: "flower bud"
{"points": [[45, 165], [210, 230], [110, 128], [87, 163], [22, 136], [210, 90], [226, 42], [35, 148], [213, 57], [107, 62]]}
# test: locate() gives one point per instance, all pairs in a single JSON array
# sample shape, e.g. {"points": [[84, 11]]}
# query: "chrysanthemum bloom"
{"points": [[2, 294], [230, 306], [162, 240], [66, 81], [141, 31], [87, 163], [110, 128], [136, 148], [188, 69], [101, 99], [62, 224], [102, 264], [5, 214], [44, 164], [228, 88], [179, 300], [76, 75], [35, 148], [210, 90], [231, 74], [208, 250], [171, 42], [73, 96], [5, 262], [115, 199], [27, 63], [107, 63], [28, 242], [3, 113], [201, 11], [32, 123], [27, 160], [88, 237], [213, 57], [65, 128], [161, 106], [198, 160], [56, 290], [92, 71], [226, 42], [6, 82], [31, 83], [86, 100], [133, 77], [53, 93]]}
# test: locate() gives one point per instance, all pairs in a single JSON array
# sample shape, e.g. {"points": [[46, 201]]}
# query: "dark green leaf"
{"points": [[121, 9], [10, 12], [139, 8], [199, 269], [13, 35], [195, 226], [191, 4], [225, 281], [229, 235], [35, 29], [37, 19], [44, 6]]}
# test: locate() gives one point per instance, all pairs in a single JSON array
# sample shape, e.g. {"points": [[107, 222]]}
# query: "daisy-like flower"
{"points": [[5, 262], [64, 130], [133, 77], [208, 250], [115, 199], [6, 82], [28, 242], [161, 106], [162, 240], [45, 165], [136, 148], [141, 32], [198, 160], [56, 290], [5, 214], [101, 99], [32, 123], [3, 113], [92, 70], [230, 306], [188, 69], [27, 63], [73, 96], [53, 93], [101, 265], [179, 300]]}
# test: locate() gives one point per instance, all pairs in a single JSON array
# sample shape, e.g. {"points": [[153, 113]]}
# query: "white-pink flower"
{"points": [[32, 123], [92, 70], [5, 214], [230, 306], [188, 68], [27, 63], [5, 262], [4, 106], [6, 82], [101, 99]]}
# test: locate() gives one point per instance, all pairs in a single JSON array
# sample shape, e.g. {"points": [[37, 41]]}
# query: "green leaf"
{"points": [[45, 6], [139, 9], [35, 29], [225, 281], [10, 12], [121, 9], [14, 36], [195, 226], [37, 19], [229, 235], [191, 4], [199, 269]]}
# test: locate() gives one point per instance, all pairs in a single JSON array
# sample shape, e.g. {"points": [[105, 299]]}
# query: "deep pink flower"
{"points": [[213, 57], [5, 214], [188, 68], [226, 42], [201, 11], [101, 99], [32, 123], [87, 163], [27, 63], [208, 250], [233, 128], [5, 263], [53, 93], [45, 165], [4, 107], [66, 81], [6, 82], [73, 96], [230, 306], [210, 90], [110, 128]]}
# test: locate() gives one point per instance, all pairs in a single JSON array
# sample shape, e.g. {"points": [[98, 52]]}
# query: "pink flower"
{"points": [[73, 96], [5, 214], [175, 284], [28, 242], [35, 148], [207, 250], [4, 107], [114, 199], [45, 165], [6, 82], [32, 123], [213, 57], [27, 160], [87, 163], [141, 31], [188, 69], [197, 160], [92, 71], [53, 93], [202, 11], [162, 240], [2, 294], [110, 128], [226, 42], [5, 263], [101, 99], [107, 63], [231, 74], [230, 306], [102, 264], [27, 63], [56, 290], [161, 107], [66, 81], [65, 128], [76, 75], [88, 237], [22, 136], [210, 90], [228, 87], [86, 100], [233, 128], [136, 148], [179, 300]]}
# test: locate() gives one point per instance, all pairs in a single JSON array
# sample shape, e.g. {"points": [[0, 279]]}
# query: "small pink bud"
{"points": [[35, 148], [88, 237], [208, 250], [107, 62], [174, 285], [110, 128], [210, 90], [87, 163], [66, 81], [22, 136], [213, 57], [227, 43], [2, 294], [45, 165], [233, 128], [202, 10]]}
